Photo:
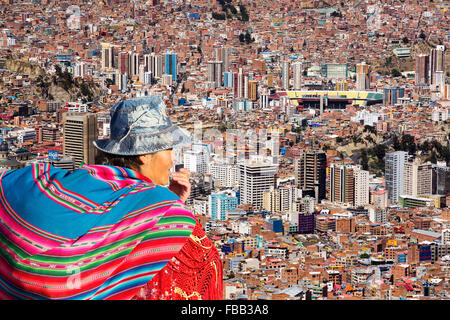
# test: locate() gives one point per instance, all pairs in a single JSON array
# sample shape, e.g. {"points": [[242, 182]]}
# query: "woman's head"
{"points": [[141, 126], [142, 138]]}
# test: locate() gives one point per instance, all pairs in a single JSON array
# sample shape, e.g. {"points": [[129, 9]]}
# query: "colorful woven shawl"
{"points": [[99, 232]]}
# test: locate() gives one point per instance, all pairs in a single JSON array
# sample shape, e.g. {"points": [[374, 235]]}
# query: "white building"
{"points": [[77, 107], [224, 175], [439, 114], [254, 179], [196, 161], [366, 117], [445, 236], [201, 207], [394, 174], [377, 215], [362, 195], [298, 72], [285, 75]]}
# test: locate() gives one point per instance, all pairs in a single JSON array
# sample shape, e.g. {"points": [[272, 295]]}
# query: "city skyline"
{"points": [[320, 164]]}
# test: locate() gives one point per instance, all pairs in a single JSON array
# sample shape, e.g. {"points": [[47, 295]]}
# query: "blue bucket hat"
{"points": [[141, 126]]}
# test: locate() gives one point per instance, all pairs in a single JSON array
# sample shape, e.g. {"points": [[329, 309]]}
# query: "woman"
{"points": [[109, 231]]}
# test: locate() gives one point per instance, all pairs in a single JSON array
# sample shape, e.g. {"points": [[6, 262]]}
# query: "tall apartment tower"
{"points": [[422, 69], [310, 172], [298, 72], [107, 56], [417, 178], [196, 161], [441, 179], [362, 77], [281, 199], [223, 54], [79, 133], [349, 184], [342, 184], [123, 62], [254, 180], [219, 204], [134, 64], [239, 83], [253, 90], [436, 63], [394, 174], [285, 75], [154, 63], [170, 65], [215, 73], [228, 79], [362, 192]]}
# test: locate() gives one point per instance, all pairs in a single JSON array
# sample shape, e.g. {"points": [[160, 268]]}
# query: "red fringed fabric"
{"points": [[195, 273]]}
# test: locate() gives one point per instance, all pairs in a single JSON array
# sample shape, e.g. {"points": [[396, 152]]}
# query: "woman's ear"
{"points": [[145, 159]]}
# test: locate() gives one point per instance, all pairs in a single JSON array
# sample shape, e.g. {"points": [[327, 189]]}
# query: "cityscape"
{"points": [[320, 162]]}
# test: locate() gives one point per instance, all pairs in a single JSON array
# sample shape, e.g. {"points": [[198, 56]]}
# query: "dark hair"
{"points": [[130, 162]]}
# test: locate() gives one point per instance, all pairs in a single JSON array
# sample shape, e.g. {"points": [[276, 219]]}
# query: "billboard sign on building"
{"points": [[53, 155]]}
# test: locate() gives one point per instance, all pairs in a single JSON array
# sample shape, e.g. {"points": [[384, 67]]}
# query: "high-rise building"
{"points": [[437, 65], [228, 79], [215, 73], [270, 80], [285, 75], [196, 161], [298, 73], [134, 64], [334, 70], [79, 133], [254, 180], [280, 199], [441, 179], [154, 64], [394, 174], [253, 90], [310, 172], [124, 63], [377, 215], [445, 237], [246, 91], [170, 65], [264, 101], [417, 178], [362, 77], [223, 54], [80, 69], [422, 69], [342, 184], [391, 95], [219, 204], [224, 175], [148, 77], [306, 223], [107, 56], [362, 192], [121, 81], [239, 83]]}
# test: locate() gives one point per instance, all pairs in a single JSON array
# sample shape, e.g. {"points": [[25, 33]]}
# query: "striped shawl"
{"points": [[99, 232]]}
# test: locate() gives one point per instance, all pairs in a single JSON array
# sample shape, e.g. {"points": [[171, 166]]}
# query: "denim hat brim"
{"points": [[167, 138]]}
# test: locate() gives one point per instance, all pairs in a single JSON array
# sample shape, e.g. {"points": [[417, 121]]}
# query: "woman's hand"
{"points": [[180, 184]]}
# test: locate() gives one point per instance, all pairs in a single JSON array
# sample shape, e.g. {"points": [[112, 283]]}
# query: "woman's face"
{"points": [[156, 166]]}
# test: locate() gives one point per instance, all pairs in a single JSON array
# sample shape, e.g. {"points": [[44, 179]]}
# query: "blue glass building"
{"points": [[170, 65]]}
